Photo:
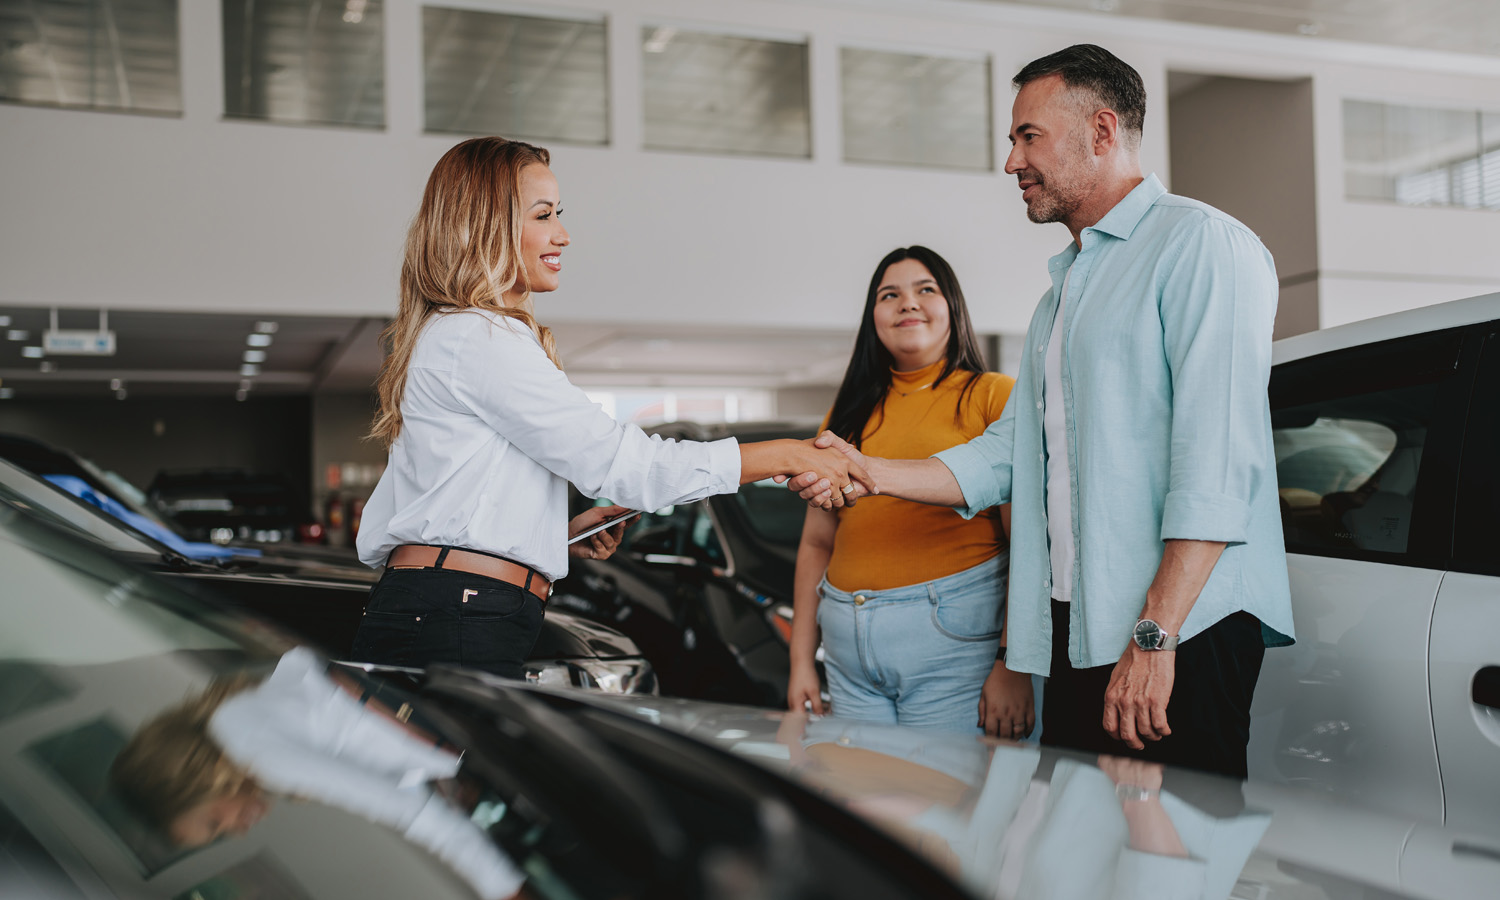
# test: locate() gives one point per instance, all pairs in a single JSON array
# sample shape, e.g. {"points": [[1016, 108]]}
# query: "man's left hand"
{"points": [[1135, 703]]}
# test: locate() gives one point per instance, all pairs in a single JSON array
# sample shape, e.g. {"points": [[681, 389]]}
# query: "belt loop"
{"points": [[530, 572], [442, 555]]}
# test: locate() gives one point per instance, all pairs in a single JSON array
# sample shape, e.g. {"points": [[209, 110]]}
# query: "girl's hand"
{"points": [[1006, 709], [605, 543], [804, 688]]}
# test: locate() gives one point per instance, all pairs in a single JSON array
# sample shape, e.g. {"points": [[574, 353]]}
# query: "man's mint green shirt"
{"points": [[1165, 359]]}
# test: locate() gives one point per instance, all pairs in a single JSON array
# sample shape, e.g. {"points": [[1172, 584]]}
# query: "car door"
{"points": [[1464, 650], [1367, 442]]}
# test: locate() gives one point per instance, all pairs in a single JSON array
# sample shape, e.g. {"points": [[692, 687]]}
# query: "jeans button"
{"points": [[859, 600]]}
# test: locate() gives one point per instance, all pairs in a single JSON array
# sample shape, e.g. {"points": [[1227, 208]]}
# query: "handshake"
{"points": [[832, 473]]}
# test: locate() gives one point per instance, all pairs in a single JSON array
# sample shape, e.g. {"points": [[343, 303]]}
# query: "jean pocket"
{"points": [[480, 601], [388, 638], [974, 614]]}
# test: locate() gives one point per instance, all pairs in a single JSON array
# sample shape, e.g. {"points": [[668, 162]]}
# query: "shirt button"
{"points": [[1041, 348], [859, 600], [1042, 457], [1039, 404]]}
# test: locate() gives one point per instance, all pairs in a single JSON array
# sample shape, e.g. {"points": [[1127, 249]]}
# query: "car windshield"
{"points": [[774, 513], [23, 490], [172, 749]]}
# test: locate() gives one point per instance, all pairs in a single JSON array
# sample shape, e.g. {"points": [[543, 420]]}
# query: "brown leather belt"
{"points": [[421, 556]]}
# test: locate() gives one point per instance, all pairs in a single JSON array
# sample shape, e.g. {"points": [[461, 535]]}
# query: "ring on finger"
{"points": [[848, 488]]}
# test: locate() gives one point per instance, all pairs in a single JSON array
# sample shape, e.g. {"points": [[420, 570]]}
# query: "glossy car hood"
{"points": [[1018, 820]]}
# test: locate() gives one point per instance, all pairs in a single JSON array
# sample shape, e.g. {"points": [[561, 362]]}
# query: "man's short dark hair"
{"points": [[1091, 68]]}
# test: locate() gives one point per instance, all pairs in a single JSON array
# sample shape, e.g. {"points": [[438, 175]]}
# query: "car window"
{"points": [[1355, 432], [1476, 527], [36, 497], [774, 513], [681, 530]]}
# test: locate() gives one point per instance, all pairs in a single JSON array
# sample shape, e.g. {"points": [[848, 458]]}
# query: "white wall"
{"points": [[198, 213], [1246, 146]]}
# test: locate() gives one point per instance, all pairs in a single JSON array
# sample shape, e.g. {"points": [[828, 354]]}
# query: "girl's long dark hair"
{"points": [[868, 378]]}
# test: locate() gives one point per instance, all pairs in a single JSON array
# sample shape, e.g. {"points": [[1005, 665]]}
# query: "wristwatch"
{"points": [[1134, 793], [1149, 636]]}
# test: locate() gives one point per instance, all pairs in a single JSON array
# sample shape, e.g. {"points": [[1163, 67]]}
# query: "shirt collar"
{"points": [[1120, 221]]}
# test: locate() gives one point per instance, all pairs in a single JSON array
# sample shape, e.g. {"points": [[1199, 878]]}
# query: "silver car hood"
{"points": [[1018, 820]]}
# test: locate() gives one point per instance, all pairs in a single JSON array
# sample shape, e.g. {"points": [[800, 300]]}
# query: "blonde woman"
{"points": [[485, 431]]}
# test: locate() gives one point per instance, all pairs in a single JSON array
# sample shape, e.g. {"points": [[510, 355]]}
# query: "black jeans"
{"points": [[1209, 712], [420, 616]]}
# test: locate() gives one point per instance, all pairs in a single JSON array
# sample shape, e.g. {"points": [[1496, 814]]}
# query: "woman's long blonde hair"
{"points": [[463, 252]]}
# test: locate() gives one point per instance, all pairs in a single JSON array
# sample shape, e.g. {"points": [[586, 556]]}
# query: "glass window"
{"points": [[916, 110], [1420, 156], [305, 61], [91, 54], [721, 94], [1352, 432], [518, 76]]}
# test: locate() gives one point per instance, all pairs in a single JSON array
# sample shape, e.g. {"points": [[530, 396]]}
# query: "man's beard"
{"points": [[1052, 204]]}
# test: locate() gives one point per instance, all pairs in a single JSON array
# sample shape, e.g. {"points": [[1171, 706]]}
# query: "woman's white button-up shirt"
{"points": [[492, 432]]}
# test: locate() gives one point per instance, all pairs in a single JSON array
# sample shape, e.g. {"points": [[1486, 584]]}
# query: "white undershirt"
{"points": [[1059, 475], [492, 432]]}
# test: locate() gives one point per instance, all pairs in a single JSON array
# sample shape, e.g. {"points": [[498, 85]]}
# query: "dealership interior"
{"points": [[204, 206]]}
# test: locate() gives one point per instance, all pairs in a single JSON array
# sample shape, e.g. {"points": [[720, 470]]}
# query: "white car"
{"points": [[1387, 436]]}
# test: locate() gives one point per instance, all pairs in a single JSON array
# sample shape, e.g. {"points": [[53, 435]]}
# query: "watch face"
{"points": [[1147, 634]]}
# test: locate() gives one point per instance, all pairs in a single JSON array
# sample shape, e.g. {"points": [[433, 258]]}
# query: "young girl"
{"points": [[910, 599], [485, 431]]}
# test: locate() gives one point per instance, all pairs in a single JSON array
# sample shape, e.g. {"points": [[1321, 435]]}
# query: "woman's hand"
{"points": [[1006, 708], [817, 490], [605, 543], [803, 688], [841, 476], [836, 474]]}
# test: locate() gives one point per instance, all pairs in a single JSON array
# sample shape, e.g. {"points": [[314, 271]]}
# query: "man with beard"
{"points": [[1148, 573]]}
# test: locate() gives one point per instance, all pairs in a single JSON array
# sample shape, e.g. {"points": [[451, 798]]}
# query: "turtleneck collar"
{"points": [[916, 378]]}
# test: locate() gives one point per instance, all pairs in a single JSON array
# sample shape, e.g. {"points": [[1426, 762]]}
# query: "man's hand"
{"points": [[818, 491], [1135, 703], [605, 543], [1006, 708]]}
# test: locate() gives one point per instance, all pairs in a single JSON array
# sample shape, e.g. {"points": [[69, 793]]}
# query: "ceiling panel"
{"points": [[1460, 26]]}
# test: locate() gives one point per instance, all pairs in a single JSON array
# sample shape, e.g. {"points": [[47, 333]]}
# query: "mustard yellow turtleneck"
{"points": [[883, 542]]}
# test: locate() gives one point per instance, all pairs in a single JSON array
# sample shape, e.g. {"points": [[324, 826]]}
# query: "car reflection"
{"points": [[212, 766]]}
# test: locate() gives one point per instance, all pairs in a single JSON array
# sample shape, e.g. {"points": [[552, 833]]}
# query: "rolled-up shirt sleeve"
{"points": [[507, 381], [1218, 307], [982, 466]]}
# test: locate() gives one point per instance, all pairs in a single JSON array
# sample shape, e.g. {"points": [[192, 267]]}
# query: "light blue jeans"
{"points": [[915, 655]]}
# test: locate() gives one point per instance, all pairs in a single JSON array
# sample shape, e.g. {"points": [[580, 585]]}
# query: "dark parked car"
{"points": [[705, 588], [222, 505], [456, 785], [320, 599]]}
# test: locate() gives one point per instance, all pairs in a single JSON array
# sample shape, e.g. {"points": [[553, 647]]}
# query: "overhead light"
{"points": [[267, 327], [33, 352], [659, 40], [17, 334], [7, 393], [4, 321], [255, 356], [115, 384], [47, 365], [258, 340], [249, 370], [246, 384]]}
